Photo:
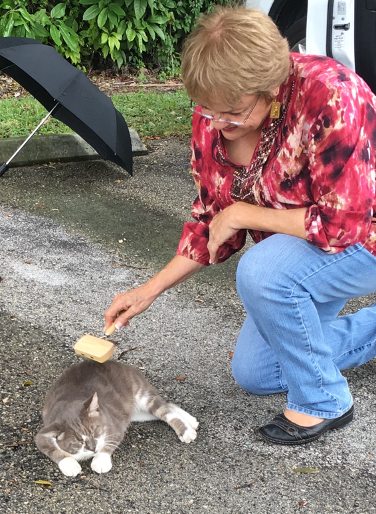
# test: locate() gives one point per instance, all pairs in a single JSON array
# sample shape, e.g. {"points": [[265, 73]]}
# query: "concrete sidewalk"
{"points": [[73, 235]]}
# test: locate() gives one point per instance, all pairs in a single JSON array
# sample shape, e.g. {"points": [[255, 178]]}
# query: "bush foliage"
{"points": [[107, 33]]}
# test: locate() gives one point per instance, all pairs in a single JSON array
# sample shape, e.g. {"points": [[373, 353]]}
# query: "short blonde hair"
{"points": [[232, 52]]}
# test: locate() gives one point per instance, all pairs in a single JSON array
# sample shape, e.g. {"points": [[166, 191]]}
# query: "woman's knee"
{"points": [[248, 377], [264, 270]]}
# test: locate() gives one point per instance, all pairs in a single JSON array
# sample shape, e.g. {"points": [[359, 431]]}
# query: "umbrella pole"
{"points": [[5, 165]]}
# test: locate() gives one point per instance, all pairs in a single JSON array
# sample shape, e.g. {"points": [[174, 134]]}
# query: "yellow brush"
{"points": [[95, 348]]}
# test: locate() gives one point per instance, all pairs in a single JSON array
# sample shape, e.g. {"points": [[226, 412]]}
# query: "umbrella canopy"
{"points": [[53, 81]]}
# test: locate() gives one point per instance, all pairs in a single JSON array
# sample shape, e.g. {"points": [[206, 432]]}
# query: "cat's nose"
{"points": [[91, 445]]}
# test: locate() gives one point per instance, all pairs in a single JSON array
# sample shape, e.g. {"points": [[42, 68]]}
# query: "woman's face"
{"points": [[251, 112]]}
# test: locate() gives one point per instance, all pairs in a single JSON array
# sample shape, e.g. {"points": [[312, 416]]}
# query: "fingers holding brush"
{"points": [[127, 305]]}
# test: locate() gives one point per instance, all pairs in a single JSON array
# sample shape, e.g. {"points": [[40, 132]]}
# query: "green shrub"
{"points": [[103, 33]]}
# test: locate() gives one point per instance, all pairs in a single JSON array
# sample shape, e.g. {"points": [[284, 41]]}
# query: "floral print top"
{"points": [[320, 154]]}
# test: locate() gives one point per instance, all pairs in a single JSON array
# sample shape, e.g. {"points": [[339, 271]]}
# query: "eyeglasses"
{"points": [[222, 120]]}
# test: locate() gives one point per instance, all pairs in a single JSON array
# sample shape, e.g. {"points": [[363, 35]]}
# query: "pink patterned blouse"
{"points": [[320, 154]]}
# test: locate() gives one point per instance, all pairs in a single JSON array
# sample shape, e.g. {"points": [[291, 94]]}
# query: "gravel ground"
{"points": [[73, 235]]}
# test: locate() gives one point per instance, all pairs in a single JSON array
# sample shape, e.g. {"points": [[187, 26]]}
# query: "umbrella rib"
{"points": [[31, 135]]}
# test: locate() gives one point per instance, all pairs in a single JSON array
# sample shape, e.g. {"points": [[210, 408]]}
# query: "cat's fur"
{"points": [[89, 408]]}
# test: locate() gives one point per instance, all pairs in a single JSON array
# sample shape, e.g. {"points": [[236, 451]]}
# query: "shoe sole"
{"points": [[342, 421]]}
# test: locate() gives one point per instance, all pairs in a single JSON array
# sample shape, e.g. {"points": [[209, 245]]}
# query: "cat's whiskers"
{"points": [[110, 443]]}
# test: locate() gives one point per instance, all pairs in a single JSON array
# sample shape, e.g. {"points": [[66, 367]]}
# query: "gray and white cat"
{"points": [[89, 408]]}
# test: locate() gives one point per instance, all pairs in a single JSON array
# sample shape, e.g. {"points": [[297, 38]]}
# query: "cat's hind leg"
{"points": [[148, 407]]}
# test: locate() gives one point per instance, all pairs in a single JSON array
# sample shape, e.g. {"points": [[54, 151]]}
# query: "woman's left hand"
{"points": [[222, 227], [242, 215]]}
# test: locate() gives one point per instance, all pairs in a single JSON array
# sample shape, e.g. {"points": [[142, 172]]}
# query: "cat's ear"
{"points": [[60, 436], [92, 406]]}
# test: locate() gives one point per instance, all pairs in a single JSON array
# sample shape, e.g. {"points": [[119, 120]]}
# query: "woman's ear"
{"points": [[274, 92]]}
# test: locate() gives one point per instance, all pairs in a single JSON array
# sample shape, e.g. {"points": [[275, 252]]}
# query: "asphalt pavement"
{"points": [[72, 236]]}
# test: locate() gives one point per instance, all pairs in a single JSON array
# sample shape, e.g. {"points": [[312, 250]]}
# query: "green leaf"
{"points": [[151, 32], [113, 18], [45, 20], [91, 13], [105, 51], [8, 28], [113, 42], [121, 27], [306, 470], [69, 37], [131, 34], [116, 9], [58, 11], [26, 15], [88, 2], [140, 8], [143, 35], [128, 3], [120, 61], [102, 18], [141, 45], [160, 20], [40, 30], [55, 34], [104, 38], [160, 32]]}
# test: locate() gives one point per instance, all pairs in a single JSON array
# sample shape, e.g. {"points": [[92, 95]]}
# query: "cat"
{"points": [[88, 409]]}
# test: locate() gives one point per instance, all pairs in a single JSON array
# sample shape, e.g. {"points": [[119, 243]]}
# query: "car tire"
{"points": [[296, 35]]}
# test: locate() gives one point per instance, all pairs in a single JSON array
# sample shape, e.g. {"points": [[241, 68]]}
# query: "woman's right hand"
{"points": [[127, 305]]}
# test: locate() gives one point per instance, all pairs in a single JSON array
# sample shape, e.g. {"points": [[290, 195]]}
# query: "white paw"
{"points": [[101, 463], [187, 418], [69, 467], [189, 435], [190, 422]]}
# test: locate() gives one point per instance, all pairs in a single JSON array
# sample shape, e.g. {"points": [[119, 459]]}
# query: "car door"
{"points": [[342, 29]]}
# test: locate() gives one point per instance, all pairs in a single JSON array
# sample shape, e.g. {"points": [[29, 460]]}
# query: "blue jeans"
{"points": [[292, 338]]}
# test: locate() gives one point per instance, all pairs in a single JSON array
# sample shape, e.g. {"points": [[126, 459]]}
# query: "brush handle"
{"points": [[110, 330]]}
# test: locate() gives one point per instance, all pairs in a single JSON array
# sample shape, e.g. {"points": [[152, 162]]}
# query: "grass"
{"points": [[154, 114]]}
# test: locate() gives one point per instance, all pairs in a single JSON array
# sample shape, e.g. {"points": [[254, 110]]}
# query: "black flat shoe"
{"points": [[283, 431]]}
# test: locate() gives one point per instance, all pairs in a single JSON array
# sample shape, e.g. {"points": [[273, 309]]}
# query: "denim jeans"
{"points": [[292, 338]]}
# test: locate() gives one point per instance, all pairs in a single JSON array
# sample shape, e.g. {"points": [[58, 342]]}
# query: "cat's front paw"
{"points": [[69, 467], [101, 463], [189, 434], [183, 423]]}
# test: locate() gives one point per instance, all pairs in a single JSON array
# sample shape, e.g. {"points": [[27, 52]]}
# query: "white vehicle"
{"points": [[342, 29]]}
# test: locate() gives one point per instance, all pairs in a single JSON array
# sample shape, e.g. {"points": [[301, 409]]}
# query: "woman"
{"points": [[283, 146]]}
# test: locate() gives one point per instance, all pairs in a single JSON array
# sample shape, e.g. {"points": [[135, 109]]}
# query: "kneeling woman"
{"points": [[283, 146]]}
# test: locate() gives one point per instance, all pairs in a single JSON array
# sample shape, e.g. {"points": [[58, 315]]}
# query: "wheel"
{"points": [[291, 18], [296, 35]]}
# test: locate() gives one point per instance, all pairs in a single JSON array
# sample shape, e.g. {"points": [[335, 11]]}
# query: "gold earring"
{"points": [[275, 110]]}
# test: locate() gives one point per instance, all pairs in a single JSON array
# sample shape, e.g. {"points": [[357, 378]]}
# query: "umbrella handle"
{"points": [[3, 168]]}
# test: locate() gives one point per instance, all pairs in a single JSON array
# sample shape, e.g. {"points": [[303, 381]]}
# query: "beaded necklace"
{"points": [[245, 177]]}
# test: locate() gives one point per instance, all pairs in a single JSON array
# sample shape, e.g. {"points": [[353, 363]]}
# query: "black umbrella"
{"points": [[69, 96]]}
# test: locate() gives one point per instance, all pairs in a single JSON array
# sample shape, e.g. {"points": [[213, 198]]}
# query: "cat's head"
{"points": [[84, 436]]}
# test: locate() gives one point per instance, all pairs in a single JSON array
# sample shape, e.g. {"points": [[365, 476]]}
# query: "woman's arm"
{"points": [[127, 305], [241, 215]]}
